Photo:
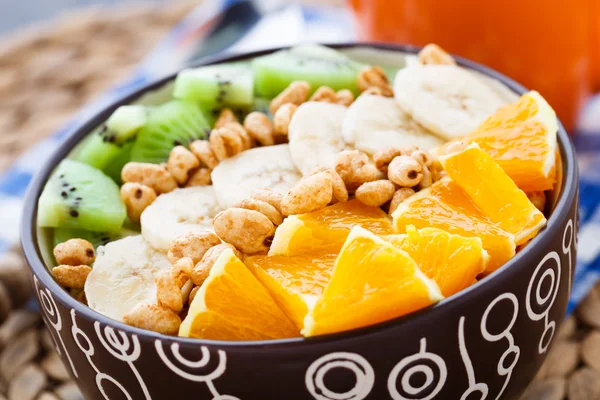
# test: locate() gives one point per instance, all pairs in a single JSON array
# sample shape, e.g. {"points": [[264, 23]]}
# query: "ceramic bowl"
{"points": [[486, 342]]}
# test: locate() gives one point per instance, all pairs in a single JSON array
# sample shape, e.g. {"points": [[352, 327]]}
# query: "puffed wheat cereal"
{"points": [[202, 269], [309, 194], [136, 198], [75, 252], [248, 230], [153, 318], [344, 97], [400, 195], [181, 161], [427, 179], [269, 196], [71, 276], [373, 76], [202, 150], [168, 292], [182, 270], [225, 142], [192, 295], [262, 207], [405, 171], [296, 93], [434, 54], [153, 175], [375, 193], [355, 168], [282, 118], [225, 116], [340, 193], [260, 128], [199, 177], [192, 245], [325, 94]]}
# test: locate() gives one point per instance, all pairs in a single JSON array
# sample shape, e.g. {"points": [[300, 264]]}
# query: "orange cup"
{"points": [[552, 46]]}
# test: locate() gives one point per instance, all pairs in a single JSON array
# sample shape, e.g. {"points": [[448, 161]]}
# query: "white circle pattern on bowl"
{"points": [[539, 299]]}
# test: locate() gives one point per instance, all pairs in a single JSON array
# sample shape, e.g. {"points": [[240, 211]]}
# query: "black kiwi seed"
{"points": [[65, 184], [74, 213], [72, 189], [78, 198], [138, 194], [64, 194], [62, 176], [103, 130], [176, 143]]}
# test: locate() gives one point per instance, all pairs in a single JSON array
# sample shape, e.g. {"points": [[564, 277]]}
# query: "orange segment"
{"points": [[452, 261], [232, 305], [325, 230], [494, 192], [446, 206], [521, 138], [294, 282], [372, 281]]}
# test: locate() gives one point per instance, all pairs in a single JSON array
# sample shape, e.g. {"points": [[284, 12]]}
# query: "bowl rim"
{"points": [[31, 250]]}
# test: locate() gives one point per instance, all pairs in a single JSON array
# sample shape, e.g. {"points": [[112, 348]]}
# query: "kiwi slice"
{"points": [[106, 143], [80, 196], [113, 169], [216, 86], [318, 65], [97, 239], [176, 122]]}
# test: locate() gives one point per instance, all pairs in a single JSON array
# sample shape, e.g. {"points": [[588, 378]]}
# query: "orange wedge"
{"points": [[233, 305], [521, 138], [452, 261], [493, 192], [294, 282], [324, 231], [372, 281], [446, 206]]}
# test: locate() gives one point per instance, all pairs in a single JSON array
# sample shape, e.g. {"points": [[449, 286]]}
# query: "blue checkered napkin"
{"points": [[252, 26]]}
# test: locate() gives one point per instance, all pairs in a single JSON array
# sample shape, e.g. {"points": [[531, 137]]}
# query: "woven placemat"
{"points": [[46, 74]]}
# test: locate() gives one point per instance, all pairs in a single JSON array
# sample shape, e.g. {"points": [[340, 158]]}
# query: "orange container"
{"points": [[548, 45]]}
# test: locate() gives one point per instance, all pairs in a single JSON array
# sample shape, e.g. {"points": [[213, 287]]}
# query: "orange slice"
{"points": [[372, 281], [294, 282], [324, 231], [452, 261], [493, 192], [521, 138], [233, 305], [446, 206]]}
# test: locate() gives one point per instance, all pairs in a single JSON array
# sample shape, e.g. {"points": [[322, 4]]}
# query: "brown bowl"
{"points": [[486, 342]]}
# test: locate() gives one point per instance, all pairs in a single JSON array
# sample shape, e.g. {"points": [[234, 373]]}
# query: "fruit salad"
{"points": [[301, 193]]}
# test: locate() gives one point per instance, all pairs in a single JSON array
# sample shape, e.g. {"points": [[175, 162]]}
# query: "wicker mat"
{"points": [[48, 73]]}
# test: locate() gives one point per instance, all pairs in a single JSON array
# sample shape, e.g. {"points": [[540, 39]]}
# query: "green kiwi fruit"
{"points": [[79, 196], [318, 65], [107, 142], [216, 86], [177, 122]]}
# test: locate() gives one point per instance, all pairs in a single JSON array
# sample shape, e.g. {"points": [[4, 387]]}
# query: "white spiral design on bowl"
{"points": [[186, 365], [429, 364], [503, 370], [358, 365], [88, 350], [122, 348], [568, 248], [538, 304], [481, 388], [53, 319]]}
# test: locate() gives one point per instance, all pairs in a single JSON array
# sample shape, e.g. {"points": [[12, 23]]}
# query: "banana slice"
{"points": [[315, 135], [123, 276], [236, 178], [373, 123], [179, 212], [446, 99]]}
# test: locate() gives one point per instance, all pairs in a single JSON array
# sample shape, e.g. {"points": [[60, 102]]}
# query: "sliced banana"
{"points": [[373, 123], [315, 135], [187, 210], [236, 178], [123, 276], [446, 99]]}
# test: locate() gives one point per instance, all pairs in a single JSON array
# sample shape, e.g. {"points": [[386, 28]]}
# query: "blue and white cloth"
{"points": [[233, 26]]}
